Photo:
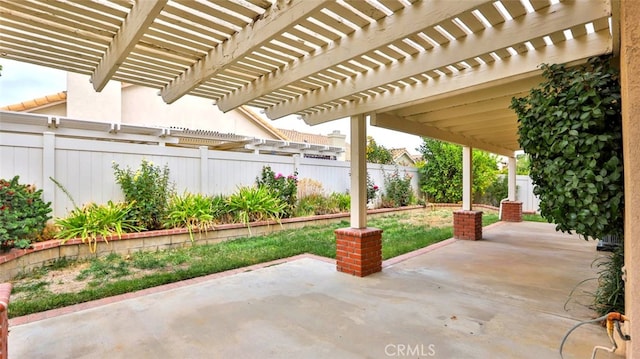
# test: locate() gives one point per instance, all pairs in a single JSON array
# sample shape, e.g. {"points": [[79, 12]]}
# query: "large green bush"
{"points": [[571, 126], [23, 213], [148, 189]]}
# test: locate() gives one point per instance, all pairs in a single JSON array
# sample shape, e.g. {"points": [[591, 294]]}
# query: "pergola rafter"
{"points": [[321, 60]]}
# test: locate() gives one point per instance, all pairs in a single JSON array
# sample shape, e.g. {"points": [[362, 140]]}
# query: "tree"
{"points": [[441, 173], [571, 126], [523, 163], [378, 153]]}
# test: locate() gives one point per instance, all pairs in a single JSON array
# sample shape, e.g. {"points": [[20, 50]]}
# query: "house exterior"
{"points": [[201, 121], [402, 157]]}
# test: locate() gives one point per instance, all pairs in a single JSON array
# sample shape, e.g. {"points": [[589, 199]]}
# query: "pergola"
{"points": [[442, 69]]}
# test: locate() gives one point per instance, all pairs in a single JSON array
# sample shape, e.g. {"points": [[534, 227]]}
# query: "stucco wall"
{"points": [[630, 81], [83, 102], [57, 110], [143, 106]]}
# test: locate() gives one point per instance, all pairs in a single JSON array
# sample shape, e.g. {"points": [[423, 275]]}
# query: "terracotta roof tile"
{"points": [[295, 136], [36, 102]]}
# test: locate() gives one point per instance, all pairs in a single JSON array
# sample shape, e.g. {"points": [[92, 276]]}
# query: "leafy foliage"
{"points": [[23, 213], [609, 296], [372, 189], [316, 204], [571, 127], [495, 192], [250, 204], [441, 173], [378, 153], [286, 188], [193, 211], [93, 221], [148, 191], [398, 191], [523, 163]]}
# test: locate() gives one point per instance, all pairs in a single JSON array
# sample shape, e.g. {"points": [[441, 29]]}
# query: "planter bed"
{"points": [[43, 253]]}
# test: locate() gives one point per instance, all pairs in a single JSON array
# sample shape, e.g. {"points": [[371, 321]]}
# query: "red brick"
{"points": [[358, 251]]}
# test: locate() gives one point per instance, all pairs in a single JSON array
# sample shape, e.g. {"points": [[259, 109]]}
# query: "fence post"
{"points": [[204, 169], [49, 169]]}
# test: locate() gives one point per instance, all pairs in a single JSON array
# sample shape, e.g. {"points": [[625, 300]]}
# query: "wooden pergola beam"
{"points": [[401, 25], [133, 28], [556, 18], [279, 17]]}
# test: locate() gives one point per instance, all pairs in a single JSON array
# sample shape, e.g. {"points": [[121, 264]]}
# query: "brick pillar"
{"points": [[359, 251], [512, 211], [5, 293], [467, 225]]}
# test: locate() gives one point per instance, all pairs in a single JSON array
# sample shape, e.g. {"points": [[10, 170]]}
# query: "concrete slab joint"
{"points": [[467, 225], [359, 251], [512, 211]]}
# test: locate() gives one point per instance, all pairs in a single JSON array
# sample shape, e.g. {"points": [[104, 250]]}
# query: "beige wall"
{"points": [[84, 103], [143, 106], [57, 110], [630, 80]]}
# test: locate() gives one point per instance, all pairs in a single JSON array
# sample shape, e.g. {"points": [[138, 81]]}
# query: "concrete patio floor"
{"points": [[501, 297]]}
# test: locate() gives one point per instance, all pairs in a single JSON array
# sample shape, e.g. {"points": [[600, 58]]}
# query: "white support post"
{"points": [[512, 193], [49, 169], [467, 178], [204, 169], [358, 171]]}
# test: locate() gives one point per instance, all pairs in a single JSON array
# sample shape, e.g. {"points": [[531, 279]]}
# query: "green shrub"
{"points": [[609, 296], [398, 191], [250, 204], [220, 209], [372, 189], [191, 211], [497, 191], [342, 201], [93, 221], [148, 190], [23, 213], [285, 188]]}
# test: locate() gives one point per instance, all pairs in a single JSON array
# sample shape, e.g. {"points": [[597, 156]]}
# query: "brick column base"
{"points": [[512, 211], [467, 225], [359, 251]]}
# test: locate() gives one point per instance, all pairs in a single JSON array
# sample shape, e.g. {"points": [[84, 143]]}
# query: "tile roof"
{"points": [[296, 136], [54, 99]]}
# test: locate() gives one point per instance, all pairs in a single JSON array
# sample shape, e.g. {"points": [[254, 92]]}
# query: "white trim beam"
{"points": [[358, 171], [399, 124], [549, 20], [511, 182], [483, 77], [467, 177], [280, 17], [516, 88], [402, 24], [133, 28]]}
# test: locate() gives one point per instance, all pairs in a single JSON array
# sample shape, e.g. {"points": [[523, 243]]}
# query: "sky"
{"points": [[21, 81]]}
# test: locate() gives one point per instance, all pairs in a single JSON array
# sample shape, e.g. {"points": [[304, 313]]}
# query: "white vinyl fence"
{"points": [[84, 167], [36, 147]]}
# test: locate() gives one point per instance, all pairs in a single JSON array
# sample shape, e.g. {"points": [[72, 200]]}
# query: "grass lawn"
{"points": [[70, 282]]}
